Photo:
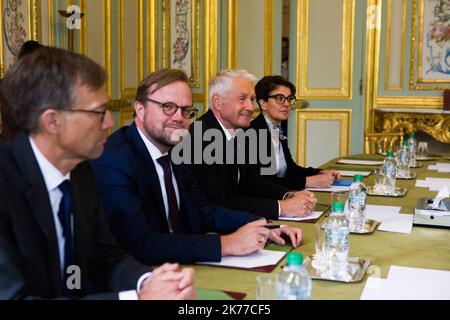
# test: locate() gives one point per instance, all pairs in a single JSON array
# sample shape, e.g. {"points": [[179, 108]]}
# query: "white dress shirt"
{"points": [[53, 178], [280, 160], [155, 154]]}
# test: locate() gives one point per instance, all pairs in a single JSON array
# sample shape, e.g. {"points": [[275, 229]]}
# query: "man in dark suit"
{"points": [[235, 184], [275, 96], [155, 208], [54, 239]]}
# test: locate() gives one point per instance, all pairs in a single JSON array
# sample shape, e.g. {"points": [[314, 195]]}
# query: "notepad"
{"points": [[330, 189], [346, 173], [254, 260], [314, 215], [361, 162]]}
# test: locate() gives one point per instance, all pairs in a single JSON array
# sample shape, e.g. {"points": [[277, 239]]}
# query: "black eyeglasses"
{"points": [[170, 108], [100, 113], [280, 99]]}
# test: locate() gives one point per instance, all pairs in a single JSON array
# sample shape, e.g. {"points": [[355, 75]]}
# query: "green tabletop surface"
{"points": [[423, 248]]}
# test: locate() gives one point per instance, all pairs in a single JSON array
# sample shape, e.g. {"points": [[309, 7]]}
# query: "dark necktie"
{"points": [[64, 215], [174, 214]]}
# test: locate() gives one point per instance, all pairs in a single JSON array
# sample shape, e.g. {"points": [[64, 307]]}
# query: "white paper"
{"points": [[433, 184], [433, 167], [257, 259], [313, 215], [345, 173], [390, 218], [330, 189], [415, 274], [388, 289], [361, 162]]}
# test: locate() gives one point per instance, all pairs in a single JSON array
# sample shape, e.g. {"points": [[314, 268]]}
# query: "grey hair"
{"points": [[222, 83]]}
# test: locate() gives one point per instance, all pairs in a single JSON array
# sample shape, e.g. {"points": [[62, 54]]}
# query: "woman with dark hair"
{"points": [[275, 96]]}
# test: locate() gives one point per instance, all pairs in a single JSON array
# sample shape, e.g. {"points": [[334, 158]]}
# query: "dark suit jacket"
{"points": [[219, 182], [295, 177], [131, 193], [29, 257]]}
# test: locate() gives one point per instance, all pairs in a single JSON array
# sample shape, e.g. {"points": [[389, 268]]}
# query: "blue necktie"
{"points": [[174, 214], [64, 215]]}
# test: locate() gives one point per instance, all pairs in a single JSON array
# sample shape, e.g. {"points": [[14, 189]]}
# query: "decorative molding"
{"points": [[232, 34], [345, 91], [409, 101], [387, 85], [107, 42], [268, 37], [211, 37], [152, 34], [303, 115]]}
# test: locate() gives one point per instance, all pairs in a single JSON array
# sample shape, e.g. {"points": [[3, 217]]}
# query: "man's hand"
{"points": [[319, 181], [334, 173], [169, 283], [299, 205], [247, 239], [294, 234]]}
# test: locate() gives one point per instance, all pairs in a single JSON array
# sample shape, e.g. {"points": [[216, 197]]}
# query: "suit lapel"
{"points": [[39, 203], [135, 140]]}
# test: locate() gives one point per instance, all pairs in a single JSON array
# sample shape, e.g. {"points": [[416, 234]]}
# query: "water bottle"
{"points": [[357, 204], [390, 173], [412, 144], [294, 282], [403, 160], [336, 242]]}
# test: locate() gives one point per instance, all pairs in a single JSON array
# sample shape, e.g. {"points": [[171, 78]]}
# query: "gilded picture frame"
{"points": [[181, 37], [17, 24]]}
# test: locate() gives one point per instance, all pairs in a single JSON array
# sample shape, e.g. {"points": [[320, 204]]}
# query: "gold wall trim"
{"points": [[194, 81], [373, 25], [409, 102], [417, 65], [50, 23], [211, 37], [198, 97], [107, 42], [345, 91], [127, 93], [268, 37], [344, 116], [387, 85], [83, 38], [152, 35], [232, 34]]}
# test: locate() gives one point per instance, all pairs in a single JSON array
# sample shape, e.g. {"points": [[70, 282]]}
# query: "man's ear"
{"points": [[217, 102], [139, 110], [50, 121]]}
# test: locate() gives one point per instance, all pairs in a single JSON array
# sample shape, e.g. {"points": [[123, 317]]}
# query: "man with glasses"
{"points": [[276, 96], [54, 238], [155, 208], [239, 186]]}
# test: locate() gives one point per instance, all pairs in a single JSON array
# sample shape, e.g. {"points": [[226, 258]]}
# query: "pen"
{"points": [[273, 226]]}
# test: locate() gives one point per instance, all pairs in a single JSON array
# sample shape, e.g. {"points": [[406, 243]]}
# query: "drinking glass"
{"points": [[340, 197], [266, 287], [318, 261], [422, 149]]}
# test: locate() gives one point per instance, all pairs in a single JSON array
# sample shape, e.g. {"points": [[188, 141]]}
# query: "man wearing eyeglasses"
{"points": [[238, 185], [155, 208], [54, 238], [276, 96]]}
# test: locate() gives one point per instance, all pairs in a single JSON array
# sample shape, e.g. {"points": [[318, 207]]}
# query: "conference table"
{"points": [[425, 247]]}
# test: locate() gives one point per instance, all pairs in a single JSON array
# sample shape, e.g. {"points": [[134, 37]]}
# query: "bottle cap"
{"points": [[390, 154], [337, 207], [405, 143], [358, 178], [294, 259]]}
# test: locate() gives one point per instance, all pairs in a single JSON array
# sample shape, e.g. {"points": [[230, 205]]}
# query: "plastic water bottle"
{"points": [[294, 282], [412, 144], [403, 160], [390, 173], [336, 242], [357, 204]]}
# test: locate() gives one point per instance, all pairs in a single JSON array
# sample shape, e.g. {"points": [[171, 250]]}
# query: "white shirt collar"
{"points": [[155, 153], [228, 134], [52, 176]]}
